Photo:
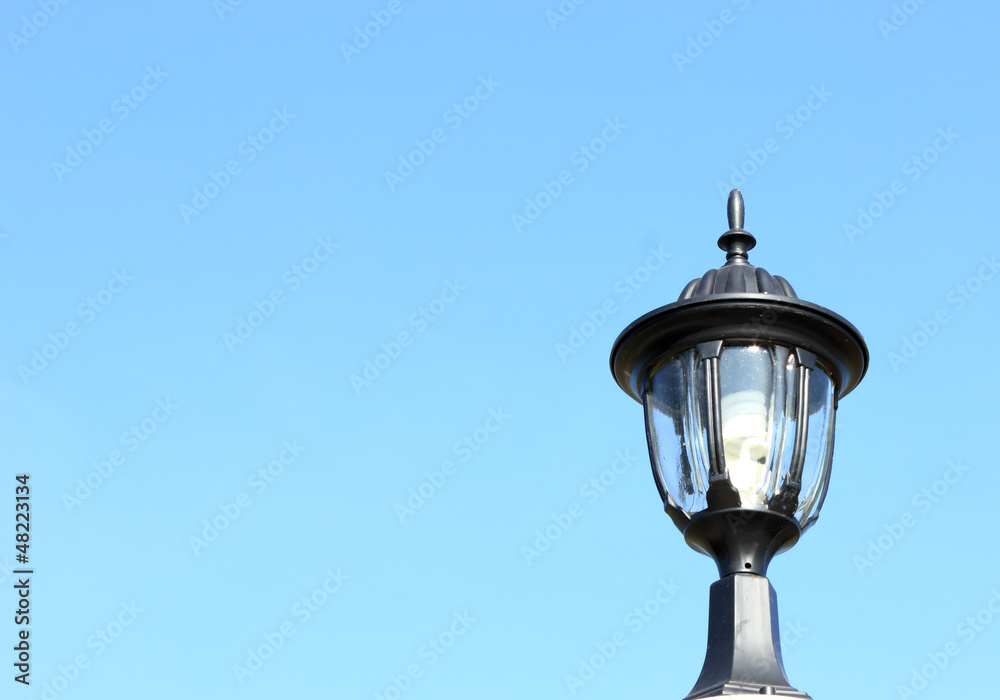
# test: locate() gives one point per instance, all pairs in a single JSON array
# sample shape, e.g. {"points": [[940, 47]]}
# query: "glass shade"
{"points": [[754, 396]]}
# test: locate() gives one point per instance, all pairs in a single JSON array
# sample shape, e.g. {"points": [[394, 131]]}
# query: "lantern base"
{"points": [[741, 540], [744, 648], [743, 694]]}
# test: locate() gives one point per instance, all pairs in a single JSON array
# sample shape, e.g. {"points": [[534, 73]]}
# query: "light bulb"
{"points": [[746, 441]]}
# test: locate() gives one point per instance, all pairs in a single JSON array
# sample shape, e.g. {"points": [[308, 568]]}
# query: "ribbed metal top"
{"points": [[737, 276]]}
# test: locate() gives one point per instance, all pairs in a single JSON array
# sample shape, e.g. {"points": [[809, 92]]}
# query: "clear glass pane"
{"points": [[819, 447], [759, 397], [675, 428], [785, 427], [752, 407]]}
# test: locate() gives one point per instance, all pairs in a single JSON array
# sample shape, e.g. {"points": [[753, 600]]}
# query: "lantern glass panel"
{"points": [[790, 374], [759, 393], [819, 447], [753, 406], [676, 430]]}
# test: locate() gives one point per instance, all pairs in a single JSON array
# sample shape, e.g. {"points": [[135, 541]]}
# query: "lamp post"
{"points": [[740, 381]]}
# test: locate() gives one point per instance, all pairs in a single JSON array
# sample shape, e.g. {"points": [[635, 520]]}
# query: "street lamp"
{"points": [[740, 381]]}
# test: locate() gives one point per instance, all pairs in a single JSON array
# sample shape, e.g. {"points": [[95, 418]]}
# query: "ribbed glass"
{"points": [[759, 396], [675, 429], [819, 448], [753, 407]]}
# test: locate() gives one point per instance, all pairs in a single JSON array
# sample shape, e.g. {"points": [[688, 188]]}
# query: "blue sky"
{"points": [[307, 313]]}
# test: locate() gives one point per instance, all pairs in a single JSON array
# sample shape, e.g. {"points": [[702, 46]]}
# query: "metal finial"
{"points": [[736, 242], [735, 210]]}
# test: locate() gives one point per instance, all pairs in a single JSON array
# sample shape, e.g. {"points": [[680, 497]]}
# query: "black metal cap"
{"points": [[737, 276], [738, 302]]}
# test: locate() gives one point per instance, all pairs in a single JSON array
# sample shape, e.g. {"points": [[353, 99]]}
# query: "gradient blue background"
{"points": [[849, 631]]}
